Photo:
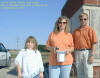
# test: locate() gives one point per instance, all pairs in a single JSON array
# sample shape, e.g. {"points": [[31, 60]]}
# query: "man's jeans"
{"points": [[60, 71], [84, 68]]}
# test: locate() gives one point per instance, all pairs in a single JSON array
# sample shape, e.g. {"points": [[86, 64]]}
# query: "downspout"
{"points": [[97, 2]]}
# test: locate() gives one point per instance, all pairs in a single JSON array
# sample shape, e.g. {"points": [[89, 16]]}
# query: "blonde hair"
{"points": [[33, 40], [82, 14], [56, 28]]}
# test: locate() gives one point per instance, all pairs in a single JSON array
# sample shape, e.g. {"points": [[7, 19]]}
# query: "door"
{"points": [[3, 55]]}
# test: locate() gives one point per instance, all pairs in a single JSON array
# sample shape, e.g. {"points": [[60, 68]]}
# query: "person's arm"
{"points": [[19, 71], [18, 62], [41, 65], [48, 44], [93, 49], [92, 53], [71, 49], [94, 41], [41, 75]]}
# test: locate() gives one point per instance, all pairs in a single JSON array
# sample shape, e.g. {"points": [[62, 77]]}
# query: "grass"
{"points": [[13, 53]]}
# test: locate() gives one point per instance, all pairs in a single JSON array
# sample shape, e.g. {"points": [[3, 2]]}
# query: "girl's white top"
{"points": [[30, 62]]}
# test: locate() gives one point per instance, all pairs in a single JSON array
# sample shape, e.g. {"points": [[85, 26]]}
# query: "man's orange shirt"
{"points": [[84, 37], [63, 41]]}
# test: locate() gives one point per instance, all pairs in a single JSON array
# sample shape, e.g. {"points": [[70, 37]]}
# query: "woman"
{"points": [[60, 38], [29, 61]]}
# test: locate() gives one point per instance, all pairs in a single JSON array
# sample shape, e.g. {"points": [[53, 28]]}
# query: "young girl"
{"points": [[29, 62]]}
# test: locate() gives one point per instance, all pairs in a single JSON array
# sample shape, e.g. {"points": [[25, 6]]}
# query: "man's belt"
{"points": [[82, 49]]}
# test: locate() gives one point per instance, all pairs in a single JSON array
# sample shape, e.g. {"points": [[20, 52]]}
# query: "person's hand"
{"points": [[91, 59], [41, 75], [19, 75], [53, 49], [68, 51]]}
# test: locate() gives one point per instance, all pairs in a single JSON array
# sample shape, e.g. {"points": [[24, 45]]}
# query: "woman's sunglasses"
{"points": [[62, 22], [83, 19]]}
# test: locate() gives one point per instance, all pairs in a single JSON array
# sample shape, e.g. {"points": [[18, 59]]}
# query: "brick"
{"points": [[96, 71]]}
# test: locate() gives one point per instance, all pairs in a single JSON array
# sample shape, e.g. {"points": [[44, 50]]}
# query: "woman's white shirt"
{"points": [[30, 62]]}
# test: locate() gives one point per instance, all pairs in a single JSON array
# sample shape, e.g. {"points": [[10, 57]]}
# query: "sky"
{"points": [[38, 21]]}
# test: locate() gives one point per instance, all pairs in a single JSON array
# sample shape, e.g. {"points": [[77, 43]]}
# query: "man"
{"points": [[85, 42]]}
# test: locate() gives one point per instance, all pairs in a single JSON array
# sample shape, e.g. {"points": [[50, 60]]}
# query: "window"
{"points": [[2, 48]]}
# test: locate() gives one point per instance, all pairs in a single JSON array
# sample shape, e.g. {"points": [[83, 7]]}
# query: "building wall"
{"points": [[93, 2], [74, 21]]}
